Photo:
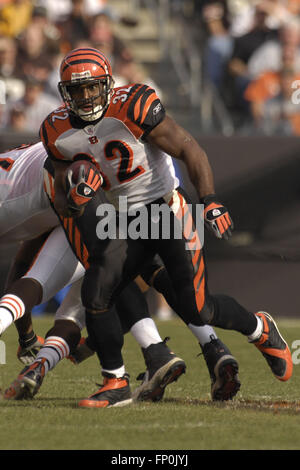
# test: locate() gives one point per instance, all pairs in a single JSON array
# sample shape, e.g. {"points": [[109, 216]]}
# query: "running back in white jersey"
{"points": [[25, 211], [130, 166]]}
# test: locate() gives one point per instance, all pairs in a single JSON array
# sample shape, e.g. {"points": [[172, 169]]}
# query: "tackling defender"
{"points": [[127, 134], [47, 264]]}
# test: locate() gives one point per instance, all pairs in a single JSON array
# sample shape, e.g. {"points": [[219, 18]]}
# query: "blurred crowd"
{"points": [[250, 51], [251, 55], [34, 37]]}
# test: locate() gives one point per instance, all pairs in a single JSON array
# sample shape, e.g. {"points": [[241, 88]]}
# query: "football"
{"points": [[76, 166]]}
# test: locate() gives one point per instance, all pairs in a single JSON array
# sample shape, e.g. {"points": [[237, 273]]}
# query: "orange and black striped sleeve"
{"points": [[145, 109], [49, 134]]}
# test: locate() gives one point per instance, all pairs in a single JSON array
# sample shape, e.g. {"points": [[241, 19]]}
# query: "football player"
{"points": [[125, 132], [45, 264]]}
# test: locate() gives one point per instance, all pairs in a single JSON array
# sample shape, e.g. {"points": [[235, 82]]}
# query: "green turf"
{"points": [[264, 415]]}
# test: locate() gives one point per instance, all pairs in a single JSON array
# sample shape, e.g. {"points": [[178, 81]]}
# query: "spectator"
{"points": [[36, 105], [75, 27], [238, 67], [280, 12], [3, 116], [39, 68], [9, 72], [280, 114], [219, 44], [102, 36], [127, 71], [269, 55], [268, 84], [34, 45], [60, 10], [40, 19], [57, 10], [241, 15], [15, 17], [244, 47], [17, 119]]}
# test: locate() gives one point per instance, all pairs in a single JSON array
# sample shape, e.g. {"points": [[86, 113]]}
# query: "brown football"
{"points": [[76, 166]]}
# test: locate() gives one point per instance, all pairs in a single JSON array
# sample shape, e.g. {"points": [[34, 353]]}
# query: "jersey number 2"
{"points": [[118, 149]]}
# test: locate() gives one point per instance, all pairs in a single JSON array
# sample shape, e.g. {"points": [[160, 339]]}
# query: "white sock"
{"points": [[117, 372], [203, 333], [257, 332], [54, 350], [11, 309], [146, 333]]}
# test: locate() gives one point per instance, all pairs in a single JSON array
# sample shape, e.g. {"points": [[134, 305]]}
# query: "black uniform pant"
{"points": [[114, 263]]}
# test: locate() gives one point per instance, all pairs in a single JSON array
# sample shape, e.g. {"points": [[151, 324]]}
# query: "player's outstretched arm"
{"points": [[179, 143]]}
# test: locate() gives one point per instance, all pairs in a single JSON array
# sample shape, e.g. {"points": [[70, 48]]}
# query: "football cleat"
{"points": [[28, 350], [274, 348], [163, 368], [27, 383], [115, 391], [223, 370]]}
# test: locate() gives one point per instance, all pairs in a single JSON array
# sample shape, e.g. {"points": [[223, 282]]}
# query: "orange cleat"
{"points": [[115, 391], [274, 348]]}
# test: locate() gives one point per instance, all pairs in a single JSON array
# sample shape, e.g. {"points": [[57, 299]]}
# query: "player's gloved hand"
{"points": [[81, 192], [216, 217], [28, 350], [82, 352]]}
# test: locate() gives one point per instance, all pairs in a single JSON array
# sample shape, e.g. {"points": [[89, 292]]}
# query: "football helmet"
{"points": [[86, 66]]}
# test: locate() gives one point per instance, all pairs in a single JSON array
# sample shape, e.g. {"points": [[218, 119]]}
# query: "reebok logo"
{"points": [[216, 212], [87, 191]]}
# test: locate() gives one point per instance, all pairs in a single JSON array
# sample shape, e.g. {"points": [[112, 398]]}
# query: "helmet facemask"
{"points": [[98, 101]]}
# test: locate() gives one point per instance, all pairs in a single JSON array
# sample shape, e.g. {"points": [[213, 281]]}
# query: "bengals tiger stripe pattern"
{"points": [[70, 228], [182, 212]]}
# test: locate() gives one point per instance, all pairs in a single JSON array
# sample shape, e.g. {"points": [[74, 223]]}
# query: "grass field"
{"points": [[264, 415]]}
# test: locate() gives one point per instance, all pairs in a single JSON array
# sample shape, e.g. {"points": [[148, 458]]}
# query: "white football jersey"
{"points": [[25, 211], [130, 166]]}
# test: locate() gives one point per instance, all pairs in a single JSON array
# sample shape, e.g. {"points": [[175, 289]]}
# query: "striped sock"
{"points": [[54, 350], [11, 309]]}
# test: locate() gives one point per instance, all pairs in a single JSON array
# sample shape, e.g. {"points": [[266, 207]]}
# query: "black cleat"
{"points": [[223, 370], [163, 368]]}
